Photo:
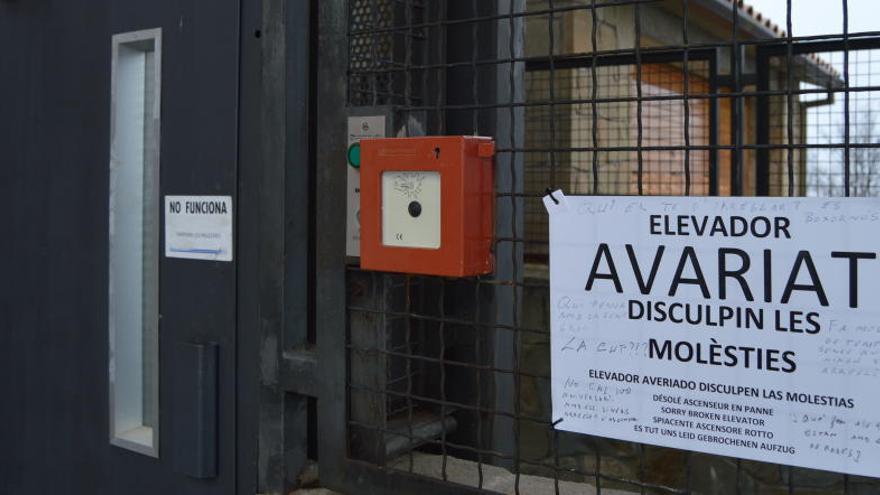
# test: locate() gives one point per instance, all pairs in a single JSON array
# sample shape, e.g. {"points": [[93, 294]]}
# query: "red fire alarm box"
{"points": [[428, 205]]}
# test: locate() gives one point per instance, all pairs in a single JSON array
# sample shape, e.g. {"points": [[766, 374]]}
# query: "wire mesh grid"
{"points": [[663, 135], [450, 379], [823, 140]]}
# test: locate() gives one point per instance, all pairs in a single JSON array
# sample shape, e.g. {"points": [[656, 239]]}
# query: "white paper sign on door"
{"points": [[743, 327], [198, 227]]}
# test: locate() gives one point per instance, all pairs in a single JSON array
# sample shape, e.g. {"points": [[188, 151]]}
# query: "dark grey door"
{"points": [[57, 415]]}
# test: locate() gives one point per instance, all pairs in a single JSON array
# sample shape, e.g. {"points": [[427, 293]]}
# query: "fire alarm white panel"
{"points": [[411, 209]]}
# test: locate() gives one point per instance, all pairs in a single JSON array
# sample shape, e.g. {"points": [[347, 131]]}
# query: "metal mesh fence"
{"points": [[820, 139], [571, 155], [450, 379]]}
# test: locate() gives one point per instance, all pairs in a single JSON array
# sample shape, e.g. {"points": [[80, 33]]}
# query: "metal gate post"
{"points": [[714, 103], [275, 365], [337, 470], [329, 240], [503, 85], [762, 163], [509, 131]]}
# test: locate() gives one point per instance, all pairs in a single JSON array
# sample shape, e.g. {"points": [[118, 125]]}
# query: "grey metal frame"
{"points": [[764, 54], [337, 470], [295, 278], [137, 40]]}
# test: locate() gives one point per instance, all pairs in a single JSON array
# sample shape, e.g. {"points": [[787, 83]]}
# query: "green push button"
{"points": [[354, 155]]}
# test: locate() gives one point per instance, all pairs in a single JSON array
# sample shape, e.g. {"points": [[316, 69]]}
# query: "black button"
{"points": [[415, 209]]}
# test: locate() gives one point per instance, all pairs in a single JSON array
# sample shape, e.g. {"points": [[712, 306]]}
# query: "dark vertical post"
{"points": [[762, 172], [509, 131], [329, 240], [369, 335], [194, 410], [271, 438], [248, 336], [736, 114], [737, 118], [713, 124], [273, 240], [296, 226], [846, 89], [503, 84]]}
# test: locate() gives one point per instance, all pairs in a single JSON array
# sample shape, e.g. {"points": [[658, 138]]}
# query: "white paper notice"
{"points": [[198, 227], [735, 326]]}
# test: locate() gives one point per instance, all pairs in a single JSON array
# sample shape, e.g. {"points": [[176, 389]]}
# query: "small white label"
{"points": [[198, 227], [358, 128]]}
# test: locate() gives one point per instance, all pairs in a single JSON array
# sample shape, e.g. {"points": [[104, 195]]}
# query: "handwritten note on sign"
{"points": [[736, 326]]}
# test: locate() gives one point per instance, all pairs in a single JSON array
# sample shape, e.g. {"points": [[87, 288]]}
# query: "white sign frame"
{"points": [[199, 227], [812, 400]]}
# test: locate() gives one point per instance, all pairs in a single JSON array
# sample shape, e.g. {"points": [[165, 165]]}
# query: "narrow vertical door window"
{"points": [[134, 240]]}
